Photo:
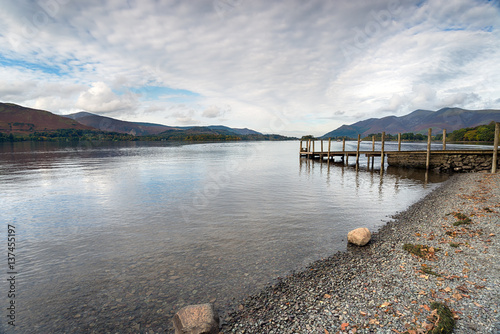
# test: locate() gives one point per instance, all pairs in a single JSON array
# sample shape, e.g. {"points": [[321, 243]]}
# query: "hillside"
{"points": [[237, 131], [21, 120], [419, 121], [215, 133], [109, 124], [31, 124], [104, 123]]}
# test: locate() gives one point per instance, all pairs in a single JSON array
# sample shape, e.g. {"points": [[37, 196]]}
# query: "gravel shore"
{"points": [[382, 288]]}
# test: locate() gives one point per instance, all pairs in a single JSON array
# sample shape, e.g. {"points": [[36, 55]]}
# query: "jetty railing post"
{"points": [[444, 139], [399, 141], [309, 145], [313, 149], [301, 146], [329, 147], [428, 158], [382, 156], [321, 145], [357, 150], [373, 150], [495, 149], [343, 150]]}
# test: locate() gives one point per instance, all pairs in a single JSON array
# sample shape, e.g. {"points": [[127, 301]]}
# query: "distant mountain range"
{"points": [[144, 129], [22, 120], [104, 123], [419, 121]]}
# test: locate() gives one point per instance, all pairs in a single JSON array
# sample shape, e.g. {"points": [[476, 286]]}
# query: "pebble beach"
{"points": [[383, 287]]}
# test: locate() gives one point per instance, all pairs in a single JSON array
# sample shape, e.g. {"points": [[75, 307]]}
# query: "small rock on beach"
{"points": [[360, 236]]}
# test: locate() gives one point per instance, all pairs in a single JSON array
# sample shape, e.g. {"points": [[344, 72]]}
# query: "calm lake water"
{"points": [[118, 237]]}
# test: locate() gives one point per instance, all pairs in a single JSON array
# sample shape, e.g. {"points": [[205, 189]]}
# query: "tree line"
{"points": [[93, 135]]}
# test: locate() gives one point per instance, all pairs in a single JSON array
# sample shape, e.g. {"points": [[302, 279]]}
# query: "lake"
{"points": [[116, 237]]}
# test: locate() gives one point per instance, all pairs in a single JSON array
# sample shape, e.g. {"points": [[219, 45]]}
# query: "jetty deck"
{"points": [[457, 160]]}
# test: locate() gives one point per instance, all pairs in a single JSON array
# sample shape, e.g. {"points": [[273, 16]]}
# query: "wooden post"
{"points": [[357, 150], [373, 150], [321, 145], [313, 148], [444, 139], [301, 146], [399, 141], [428, 159], [343, 150], [382, 156], [329, 147], [495, 149]]}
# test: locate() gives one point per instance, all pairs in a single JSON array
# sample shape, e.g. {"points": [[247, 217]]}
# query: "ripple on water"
{"points": [[120, 237]]}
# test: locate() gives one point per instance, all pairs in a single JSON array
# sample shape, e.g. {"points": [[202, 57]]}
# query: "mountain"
{"points": [[143, 129], [419, 121], [216, 133], [104, 123], [21, 120], [237, 131]]}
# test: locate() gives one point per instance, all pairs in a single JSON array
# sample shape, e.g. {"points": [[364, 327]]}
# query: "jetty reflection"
{"points": [[339, 172]]}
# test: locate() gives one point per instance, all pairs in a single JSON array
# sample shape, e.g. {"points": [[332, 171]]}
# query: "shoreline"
{"points": [[381, 288]]}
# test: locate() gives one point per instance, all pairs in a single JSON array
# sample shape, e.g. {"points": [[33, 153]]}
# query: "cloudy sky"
{"points": [[292, 67]]}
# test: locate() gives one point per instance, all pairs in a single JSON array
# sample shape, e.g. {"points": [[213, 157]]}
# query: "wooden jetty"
{"points": [[457, 160]]}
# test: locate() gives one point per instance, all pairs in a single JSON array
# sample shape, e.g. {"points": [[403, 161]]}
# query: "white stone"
{"points": [[360, 236]]}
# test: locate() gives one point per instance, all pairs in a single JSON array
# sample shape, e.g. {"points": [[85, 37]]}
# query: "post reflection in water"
{"points": [[337, 172]]}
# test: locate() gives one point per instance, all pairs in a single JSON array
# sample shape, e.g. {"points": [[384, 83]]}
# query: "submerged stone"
{"points": [[196, 319]]}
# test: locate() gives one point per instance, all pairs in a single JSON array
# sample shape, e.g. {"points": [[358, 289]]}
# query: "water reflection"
{"points": [[123, 235], [308, 165]]}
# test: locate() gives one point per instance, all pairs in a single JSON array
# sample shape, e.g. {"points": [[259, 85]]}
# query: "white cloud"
{"points": [[299, 61], [101, 99], [215, 111]]}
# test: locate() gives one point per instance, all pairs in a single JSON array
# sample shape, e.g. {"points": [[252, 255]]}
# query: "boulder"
{"points": [[196, 319], [360, 236]]}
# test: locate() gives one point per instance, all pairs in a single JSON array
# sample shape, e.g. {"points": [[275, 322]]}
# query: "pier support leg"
{"points": [[382, 156], [428, 158], [495, 149], [357, 150], [444, 139]]}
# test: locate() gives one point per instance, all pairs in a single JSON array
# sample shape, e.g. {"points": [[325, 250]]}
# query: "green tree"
{"points": [[470, 135]]}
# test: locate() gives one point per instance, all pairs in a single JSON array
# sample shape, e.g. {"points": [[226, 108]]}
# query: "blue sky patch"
{"points": [[165, 93], [37, 67]]}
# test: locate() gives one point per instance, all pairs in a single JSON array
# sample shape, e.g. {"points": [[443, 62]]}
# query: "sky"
{"points": [[293, 67]]}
